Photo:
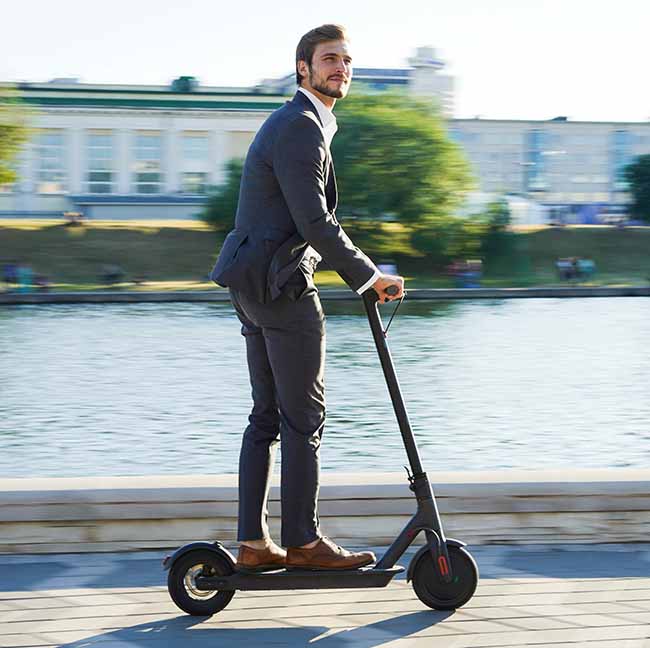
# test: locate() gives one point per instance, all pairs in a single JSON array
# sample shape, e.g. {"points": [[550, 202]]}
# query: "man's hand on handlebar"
{"points": [[384, 282]]}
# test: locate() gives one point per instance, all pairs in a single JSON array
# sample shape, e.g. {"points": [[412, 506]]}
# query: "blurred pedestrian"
{"points": [[10, 274], [24, 277]]}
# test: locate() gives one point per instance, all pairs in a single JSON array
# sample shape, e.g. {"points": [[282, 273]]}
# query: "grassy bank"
{"points": [[178, 254]]}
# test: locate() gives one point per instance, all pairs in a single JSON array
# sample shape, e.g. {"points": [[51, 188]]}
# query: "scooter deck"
{"points": [[283, 579]]}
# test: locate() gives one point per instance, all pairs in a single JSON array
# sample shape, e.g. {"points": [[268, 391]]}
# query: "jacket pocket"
{"points": [[227, 256]]}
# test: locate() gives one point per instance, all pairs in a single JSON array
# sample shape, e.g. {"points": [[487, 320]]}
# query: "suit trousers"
{"points": [[285, 350]]}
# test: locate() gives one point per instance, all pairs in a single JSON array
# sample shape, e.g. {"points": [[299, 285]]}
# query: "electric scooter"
{"points": [[203, 576]]}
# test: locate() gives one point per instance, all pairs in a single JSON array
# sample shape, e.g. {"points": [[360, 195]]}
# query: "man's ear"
{"points": [[303, 70]]}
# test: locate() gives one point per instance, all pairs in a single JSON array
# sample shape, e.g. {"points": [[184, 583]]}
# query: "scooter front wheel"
{"points": [[434, 592], [181, 582]]}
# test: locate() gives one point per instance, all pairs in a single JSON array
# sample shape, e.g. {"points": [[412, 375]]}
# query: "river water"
{"points": [[139, 389]]}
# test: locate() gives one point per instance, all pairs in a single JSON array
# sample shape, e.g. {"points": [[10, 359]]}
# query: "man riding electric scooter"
{"points": [[285, 222]]}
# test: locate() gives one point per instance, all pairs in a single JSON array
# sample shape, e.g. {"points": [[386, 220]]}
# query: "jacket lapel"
{"points": [[304, 103], [331, 193]]}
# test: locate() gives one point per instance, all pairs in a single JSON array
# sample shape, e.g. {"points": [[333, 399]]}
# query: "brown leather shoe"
{"points": [[259, 560], [327, 555]]}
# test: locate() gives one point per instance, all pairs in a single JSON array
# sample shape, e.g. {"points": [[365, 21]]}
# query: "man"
{"points": [[285, 223]]}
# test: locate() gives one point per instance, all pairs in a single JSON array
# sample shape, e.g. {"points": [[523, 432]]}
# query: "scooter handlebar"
{"points": [[372, 296]]}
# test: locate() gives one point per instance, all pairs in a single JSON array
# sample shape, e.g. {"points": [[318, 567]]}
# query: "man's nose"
{"points": [[342, 67]]}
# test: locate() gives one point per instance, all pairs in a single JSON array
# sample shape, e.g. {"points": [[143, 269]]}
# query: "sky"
{"points": [[525, 59]]}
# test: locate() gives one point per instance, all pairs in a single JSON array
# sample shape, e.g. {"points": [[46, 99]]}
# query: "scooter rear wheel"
{"points": [[434, 592], [181, 583]]}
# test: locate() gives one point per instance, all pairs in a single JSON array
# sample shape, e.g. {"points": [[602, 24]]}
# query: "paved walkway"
{"points": [[591, 595]]}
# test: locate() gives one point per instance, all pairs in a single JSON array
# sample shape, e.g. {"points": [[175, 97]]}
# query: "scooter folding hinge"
{"points": [[410, 478]]}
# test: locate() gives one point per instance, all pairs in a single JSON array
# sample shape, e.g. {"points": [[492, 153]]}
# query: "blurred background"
{"points": [[491, 144]]}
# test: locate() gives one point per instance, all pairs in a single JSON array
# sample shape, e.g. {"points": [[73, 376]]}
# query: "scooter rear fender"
{"points": [[451, 542], [216, 546]]}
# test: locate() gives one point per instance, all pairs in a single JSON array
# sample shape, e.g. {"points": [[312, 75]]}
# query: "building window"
{"points": [[147, 167], [51, 167], [535, 164], [194, 182], [99, 153], [621, 156], [239, 142], [195, 149], [195, 146]]}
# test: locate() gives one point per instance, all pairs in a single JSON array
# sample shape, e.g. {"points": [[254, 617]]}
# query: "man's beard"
{"points": [[335, 93]]}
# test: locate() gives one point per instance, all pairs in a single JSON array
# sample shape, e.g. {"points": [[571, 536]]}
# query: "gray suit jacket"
{"points": [[287, 201]]}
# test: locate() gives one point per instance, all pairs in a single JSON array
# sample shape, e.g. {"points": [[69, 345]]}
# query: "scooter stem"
{"points": [[371, 302]]}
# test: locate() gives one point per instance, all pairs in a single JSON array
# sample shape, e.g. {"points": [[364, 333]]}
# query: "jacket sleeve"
{"points": [[299, 161]]}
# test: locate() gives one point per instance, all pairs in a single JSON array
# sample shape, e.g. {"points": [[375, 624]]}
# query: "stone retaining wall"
{"points": [[141, 296], [125, 513]]}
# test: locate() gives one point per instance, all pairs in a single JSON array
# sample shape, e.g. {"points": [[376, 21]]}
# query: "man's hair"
{"points": [[307, 44]]}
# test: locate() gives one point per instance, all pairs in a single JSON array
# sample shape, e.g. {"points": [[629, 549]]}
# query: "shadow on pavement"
{"points": [[579, 562], [184, 631], [105, 571], [51, 574]]}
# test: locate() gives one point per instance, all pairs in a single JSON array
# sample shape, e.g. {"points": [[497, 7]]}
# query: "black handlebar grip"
{"points": [[392, 290]]}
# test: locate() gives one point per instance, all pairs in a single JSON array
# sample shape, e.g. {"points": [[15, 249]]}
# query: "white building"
{"points": [[130, 151], [423, 78], [573, 168], [115, 151]]}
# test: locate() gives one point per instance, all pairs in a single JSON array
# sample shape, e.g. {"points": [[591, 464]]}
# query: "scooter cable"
{"points": [[399, 303]]}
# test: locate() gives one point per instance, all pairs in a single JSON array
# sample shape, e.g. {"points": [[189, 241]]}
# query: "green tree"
{"points": [[498, 247], [394, 157], [637, 175], [13, 133], [448, 238], [221, 206], [498, 215]]}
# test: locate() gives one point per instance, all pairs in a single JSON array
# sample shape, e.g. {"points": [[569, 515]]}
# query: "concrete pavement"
{"points": [[596, 596]]}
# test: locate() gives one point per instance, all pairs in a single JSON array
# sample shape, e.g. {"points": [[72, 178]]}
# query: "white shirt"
{"points": [[326, 116], [329, 130]]}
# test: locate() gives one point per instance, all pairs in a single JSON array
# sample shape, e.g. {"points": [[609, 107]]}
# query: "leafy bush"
{"points": [[637, 175], [221, 206], [444, 239]]}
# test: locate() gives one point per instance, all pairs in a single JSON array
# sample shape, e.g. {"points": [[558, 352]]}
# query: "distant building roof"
{"points": [[376, 73], [130, 199], [187, 96], [187, 92]]}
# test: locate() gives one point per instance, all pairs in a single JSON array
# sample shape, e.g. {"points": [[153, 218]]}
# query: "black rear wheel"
{"points": [[434, 592], [181, 582]]}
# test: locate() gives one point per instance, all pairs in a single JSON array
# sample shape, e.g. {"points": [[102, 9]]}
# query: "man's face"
{"points": [[330, 72]]}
